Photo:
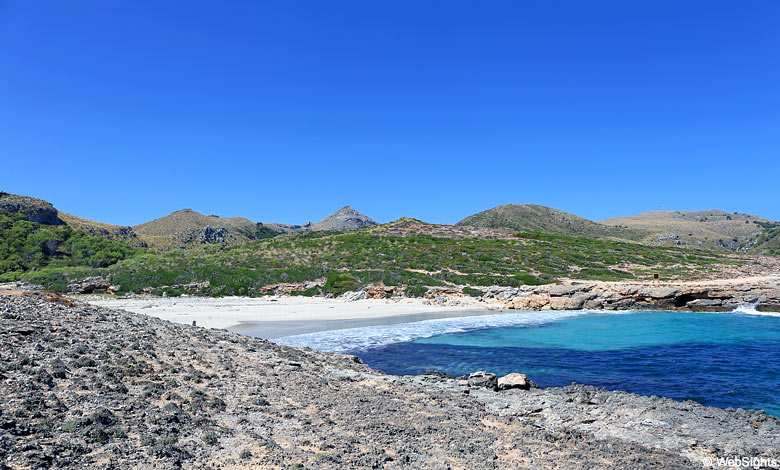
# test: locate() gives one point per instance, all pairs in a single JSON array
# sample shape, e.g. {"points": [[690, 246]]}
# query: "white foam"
{"points": [[357, 339], [750, 309]]}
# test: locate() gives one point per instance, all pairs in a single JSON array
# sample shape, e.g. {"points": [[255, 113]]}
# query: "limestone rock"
{"points": [[566, 303], [659, 292]]}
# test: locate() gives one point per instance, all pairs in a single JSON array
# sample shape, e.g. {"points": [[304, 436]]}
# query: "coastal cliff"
{"points": [[88, 386]]}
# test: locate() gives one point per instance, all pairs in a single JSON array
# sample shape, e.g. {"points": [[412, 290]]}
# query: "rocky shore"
{"points": [[84, 386], [761, 293]]}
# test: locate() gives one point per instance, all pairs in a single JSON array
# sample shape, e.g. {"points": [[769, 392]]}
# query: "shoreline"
{"points": [[283, 315], [241, 402]]}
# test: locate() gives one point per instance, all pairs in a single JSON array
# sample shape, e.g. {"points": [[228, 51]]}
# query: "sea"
{"points": [[728, 360]]}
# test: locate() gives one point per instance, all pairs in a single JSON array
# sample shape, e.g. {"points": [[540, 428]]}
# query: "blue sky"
{"points": [[285, 111]]}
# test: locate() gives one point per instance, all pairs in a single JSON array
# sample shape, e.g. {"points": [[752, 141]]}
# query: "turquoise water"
{"points": [[611, 331], [718, 359]]}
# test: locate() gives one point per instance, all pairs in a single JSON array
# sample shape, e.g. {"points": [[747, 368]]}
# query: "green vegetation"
{"points": [[339, 283], [53, 255], [29, 247], [768, 240], [473, 292], [416, 291]]}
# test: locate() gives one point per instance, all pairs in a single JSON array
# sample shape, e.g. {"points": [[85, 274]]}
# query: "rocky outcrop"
{"points": [[763, 295], [207, 235], [89, 285], [121, 233], [35, 210]]}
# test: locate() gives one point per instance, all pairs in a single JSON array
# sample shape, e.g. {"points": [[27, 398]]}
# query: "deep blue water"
{"points": [[724, 360]]}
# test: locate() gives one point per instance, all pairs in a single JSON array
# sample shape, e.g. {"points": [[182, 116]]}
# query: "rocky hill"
{"points": [[186, 229], [536, 218], [714, 229], [43, 212], [345, 218], [99, 229], [88, 387], [35, 210]]}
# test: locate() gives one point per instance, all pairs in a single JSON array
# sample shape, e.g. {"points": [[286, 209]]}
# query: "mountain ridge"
{"points": [[186, 228]]}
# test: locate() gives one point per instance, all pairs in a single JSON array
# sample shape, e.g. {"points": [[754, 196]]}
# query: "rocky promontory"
{"points": [[84, 386]]}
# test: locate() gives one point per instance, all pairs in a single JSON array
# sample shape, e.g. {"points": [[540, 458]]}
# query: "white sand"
{"points": [[230, 311]]}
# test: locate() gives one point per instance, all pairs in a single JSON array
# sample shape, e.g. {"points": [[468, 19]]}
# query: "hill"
{"points": [[345, 218], [99, 229], [714, 229], [536, 218], [411, 262], [186, 229], [34, 210]]}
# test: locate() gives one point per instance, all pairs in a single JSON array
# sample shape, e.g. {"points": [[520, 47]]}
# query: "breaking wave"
{"points": [[368, 337]]}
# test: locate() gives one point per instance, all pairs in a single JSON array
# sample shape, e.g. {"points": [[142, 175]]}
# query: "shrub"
{"points": [[338, 283], [415, 291], [473, 292]]}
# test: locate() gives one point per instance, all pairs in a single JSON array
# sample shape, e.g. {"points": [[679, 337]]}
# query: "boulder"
{"points": [[514, 380], [483, 379], [88, 285]]}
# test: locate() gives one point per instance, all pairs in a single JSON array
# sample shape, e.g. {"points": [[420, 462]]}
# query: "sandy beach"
{"points": [[273, 317]]}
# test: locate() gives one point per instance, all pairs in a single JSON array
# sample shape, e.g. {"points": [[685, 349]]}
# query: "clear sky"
{"points": [[285, 111]]}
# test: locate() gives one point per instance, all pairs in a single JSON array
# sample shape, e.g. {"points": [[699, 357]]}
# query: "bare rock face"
{"points": [[659, 292], [36, 210]]}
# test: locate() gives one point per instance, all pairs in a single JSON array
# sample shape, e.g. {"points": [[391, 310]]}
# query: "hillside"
{"points": [[99, 229], [319, 263], [713, 229], [768, 241], [345, 218], [186, 229], [536, 218]]}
